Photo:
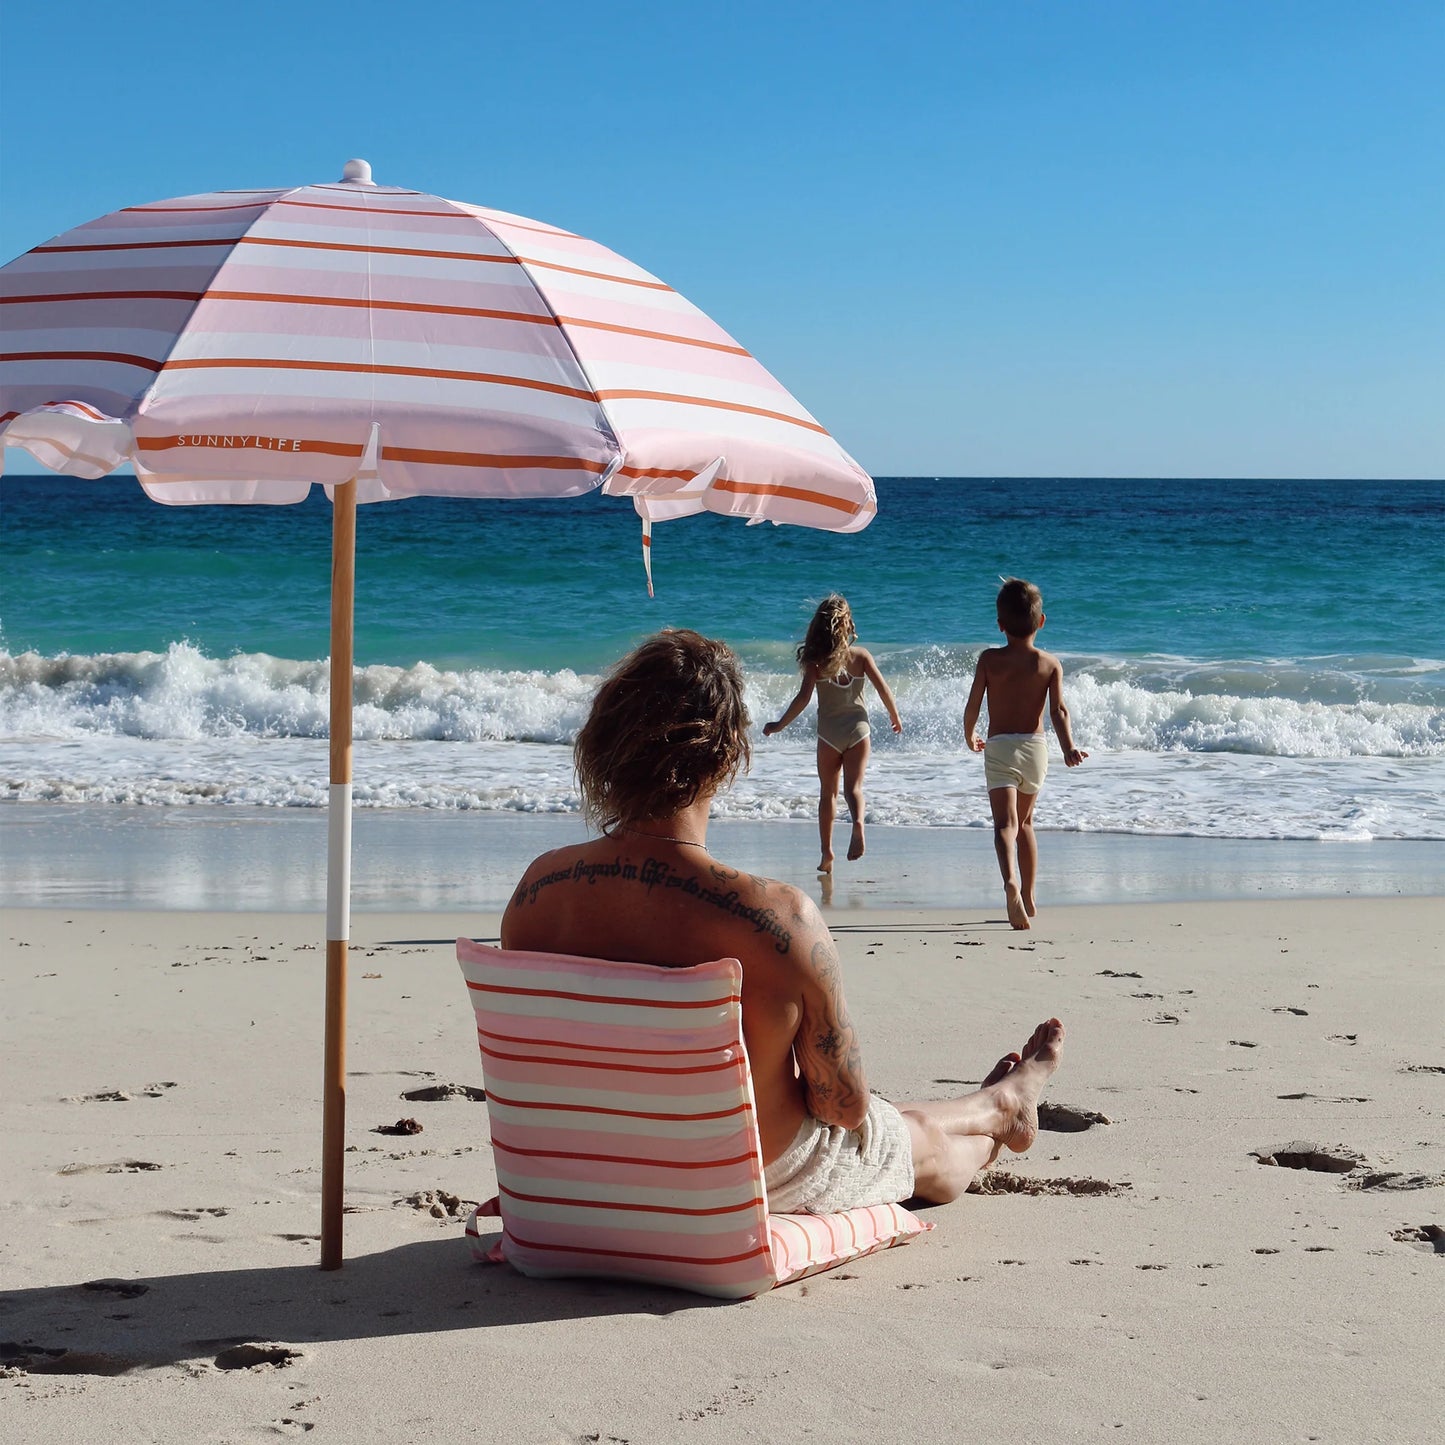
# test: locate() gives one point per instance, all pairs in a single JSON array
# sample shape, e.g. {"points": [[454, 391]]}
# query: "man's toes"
{"points": [[1001, 1070]]}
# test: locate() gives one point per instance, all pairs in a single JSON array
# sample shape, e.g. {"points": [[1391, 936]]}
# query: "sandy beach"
{"points": [[1146, 1278]]}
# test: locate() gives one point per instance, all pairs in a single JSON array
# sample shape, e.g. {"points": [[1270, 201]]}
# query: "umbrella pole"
{"points": [[338, 869]]}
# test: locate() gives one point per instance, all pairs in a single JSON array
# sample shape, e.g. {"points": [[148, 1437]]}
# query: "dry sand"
{"points": [[1146, 1278]]}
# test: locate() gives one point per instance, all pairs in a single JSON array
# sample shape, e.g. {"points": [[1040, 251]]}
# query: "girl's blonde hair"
{"points": [[830, 637]]}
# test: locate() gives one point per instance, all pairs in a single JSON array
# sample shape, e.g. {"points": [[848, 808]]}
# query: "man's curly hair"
{"points": [[667, 725]]}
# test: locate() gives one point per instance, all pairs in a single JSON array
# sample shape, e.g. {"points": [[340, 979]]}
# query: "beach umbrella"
{"points": [[244, 346]]}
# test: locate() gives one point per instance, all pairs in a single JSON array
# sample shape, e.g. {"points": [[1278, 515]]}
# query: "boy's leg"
{"points": [[830, 768], [1004, 803], [855, 761], [1028, 848]]}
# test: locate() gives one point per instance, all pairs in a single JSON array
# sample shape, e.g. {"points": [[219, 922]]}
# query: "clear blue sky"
{"points": [[1025, 237]]}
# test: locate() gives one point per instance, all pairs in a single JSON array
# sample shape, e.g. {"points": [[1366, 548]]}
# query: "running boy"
{"points": [[1018, 679]]}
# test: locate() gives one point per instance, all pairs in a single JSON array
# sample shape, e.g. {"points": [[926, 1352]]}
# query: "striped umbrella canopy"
{"points": [[243, 346]]}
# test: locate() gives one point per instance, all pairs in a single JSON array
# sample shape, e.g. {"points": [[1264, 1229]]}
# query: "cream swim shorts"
{"points": [[828, 1168], [1016, 760]]}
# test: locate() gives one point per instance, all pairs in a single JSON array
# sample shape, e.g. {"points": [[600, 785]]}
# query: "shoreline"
{"points": [[89, 856]]}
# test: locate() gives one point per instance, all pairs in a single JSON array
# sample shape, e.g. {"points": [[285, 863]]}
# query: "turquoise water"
{"points": [[1205, 570], [1244, 659]]}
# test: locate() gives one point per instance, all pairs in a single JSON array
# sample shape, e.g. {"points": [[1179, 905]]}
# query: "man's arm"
{"points": [[830, 1061], [1059, 716], [974, 706]]}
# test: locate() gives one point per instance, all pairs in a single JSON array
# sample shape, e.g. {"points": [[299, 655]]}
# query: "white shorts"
{"points": [[828, 1168], [1016, 760]]}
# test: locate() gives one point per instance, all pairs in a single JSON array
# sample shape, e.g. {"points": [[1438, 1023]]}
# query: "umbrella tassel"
{"points": [[647, 551]]}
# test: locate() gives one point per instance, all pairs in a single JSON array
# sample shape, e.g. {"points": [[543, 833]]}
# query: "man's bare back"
{"points": [[637, 898]]}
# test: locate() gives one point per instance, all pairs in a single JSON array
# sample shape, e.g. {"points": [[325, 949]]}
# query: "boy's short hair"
{"points": [[1020, 607], [667, 725]]}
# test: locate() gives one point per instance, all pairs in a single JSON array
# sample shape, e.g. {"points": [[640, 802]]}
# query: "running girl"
{"points": [[836, 668]]}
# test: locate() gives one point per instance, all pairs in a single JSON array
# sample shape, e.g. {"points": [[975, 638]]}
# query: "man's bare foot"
{"points": [[825, 863], [855, 843], [1000, 1069], [1019, 1090], [1013, 900]]}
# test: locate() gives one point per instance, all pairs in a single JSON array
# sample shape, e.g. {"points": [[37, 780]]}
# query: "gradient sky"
{"points": [[1017, 238]]}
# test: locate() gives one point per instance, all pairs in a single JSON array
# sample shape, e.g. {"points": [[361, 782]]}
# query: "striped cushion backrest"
{"points": [[622, 1119]]}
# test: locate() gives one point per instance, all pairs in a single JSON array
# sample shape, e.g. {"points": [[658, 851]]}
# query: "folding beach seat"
{"points": [[624, 1132]]}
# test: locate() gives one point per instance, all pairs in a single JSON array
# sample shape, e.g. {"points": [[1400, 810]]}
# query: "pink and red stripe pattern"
{"points": [[241, 346], [624, 1131]]}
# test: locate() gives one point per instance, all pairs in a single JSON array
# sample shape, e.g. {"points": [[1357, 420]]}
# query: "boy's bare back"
{"points": [[1017, 681]]}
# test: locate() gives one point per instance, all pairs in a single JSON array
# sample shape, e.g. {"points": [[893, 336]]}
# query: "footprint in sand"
{"points": [[1112, 973], [1423, 1069], [1007, 1182], [1394, 1179], [1427, 1237], [1344, 1038], [1286, 1009], [1066, 1119], [116, 1166], [251, 1356], [1243, 1044], [438, 1203], [32, 1359], [119, 1096], [435, 1093], [124, 1288], [1319, 1158]]}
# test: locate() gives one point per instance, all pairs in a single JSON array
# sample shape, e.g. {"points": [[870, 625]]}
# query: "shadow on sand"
{"points": [[111, 1327]]}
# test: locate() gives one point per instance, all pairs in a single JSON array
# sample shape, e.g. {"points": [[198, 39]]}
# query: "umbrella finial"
{"points": [[358, 173]]}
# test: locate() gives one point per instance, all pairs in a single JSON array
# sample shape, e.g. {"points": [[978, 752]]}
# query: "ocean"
{"points": [[1243, 659]]}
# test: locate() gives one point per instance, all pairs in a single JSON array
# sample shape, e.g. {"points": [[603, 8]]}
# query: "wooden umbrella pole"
{"points": [[338, 870]]}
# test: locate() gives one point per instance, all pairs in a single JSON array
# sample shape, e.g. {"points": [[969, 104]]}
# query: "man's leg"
{"points": [[955, 1138], [1028, 847], [1004, 803], [855, 762], [830, 768]]}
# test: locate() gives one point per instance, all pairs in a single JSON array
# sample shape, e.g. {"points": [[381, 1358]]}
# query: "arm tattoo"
{"points": [[829, 1057]]}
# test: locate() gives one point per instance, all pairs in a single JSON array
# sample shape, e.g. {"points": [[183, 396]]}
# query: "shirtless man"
{"points": [[1017, 680], [668, 729]]}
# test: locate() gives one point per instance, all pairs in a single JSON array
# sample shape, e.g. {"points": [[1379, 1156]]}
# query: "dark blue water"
{"points": [[1207, 570]]}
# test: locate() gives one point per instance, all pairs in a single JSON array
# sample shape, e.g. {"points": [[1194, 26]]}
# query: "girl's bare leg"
{"points": [[855, 763], [830, 768], [953, 1139]]}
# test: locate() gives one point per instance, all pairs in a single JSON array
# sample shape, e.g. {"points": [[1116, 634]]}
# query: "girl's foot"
{"points": [[1014, 902], [855, 843]]}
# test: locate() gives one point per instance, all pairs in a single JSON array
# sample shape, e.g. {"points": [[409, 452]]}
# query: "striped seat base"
{"points": [[624, 1131]]}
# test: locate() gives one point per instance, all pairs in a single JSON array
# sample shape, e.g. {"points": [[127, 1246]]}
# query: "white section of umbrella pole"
{"points": [[338, 870]]}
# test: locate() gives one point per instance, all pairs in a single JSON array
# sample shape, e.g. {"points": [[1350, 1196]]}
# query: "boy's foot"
{"points": [[825, 863], [1017, 915], [1019, 1090], [855, 843]]}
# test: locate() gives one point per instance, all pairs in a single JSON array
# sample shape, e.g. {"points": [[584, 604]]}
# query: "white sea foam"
{"points": [[1174, 749]]}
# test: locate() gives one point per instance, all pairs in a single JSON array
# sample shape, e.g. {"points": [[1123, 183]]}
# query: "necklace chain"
{"points": [[663, 838]]}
